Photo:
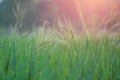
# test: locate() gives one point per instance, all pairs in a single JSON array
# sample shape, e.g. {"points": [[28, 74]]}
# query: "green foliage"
{"points": [[42, 57]]}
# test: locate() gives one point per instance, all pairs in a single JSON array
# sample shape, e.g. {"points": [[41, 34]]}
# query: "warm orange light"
{"points": [[98, 6], [88, 7], [95, 3]]}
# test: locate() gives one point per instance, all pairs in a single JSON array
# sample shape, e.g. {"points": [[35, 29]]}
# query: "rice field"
{"points": [[54, 57]]}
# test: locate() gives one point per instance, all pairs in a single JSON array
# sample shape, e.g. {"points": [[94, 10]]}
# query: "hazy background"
{"points": [[50, 10]]}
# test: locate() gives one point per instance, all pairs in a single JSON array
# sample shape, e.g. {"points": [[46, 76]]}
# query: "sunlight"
{"points": [[100, 7], [95, 3]]}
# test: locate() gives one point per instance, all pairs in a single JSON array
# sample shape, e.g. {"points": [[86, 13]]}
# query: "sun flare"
{"points": [[95, 3], [98, 6]]}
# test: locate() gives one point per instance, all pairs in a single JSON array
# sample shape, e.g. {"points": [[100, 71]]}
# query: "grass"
{"points": [[58, 55], [52, 57]]}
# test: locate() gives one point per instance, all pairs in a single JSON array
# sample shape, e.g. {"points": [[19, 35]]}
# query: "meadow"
{"points": [[59, 54], [55, 56]]}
